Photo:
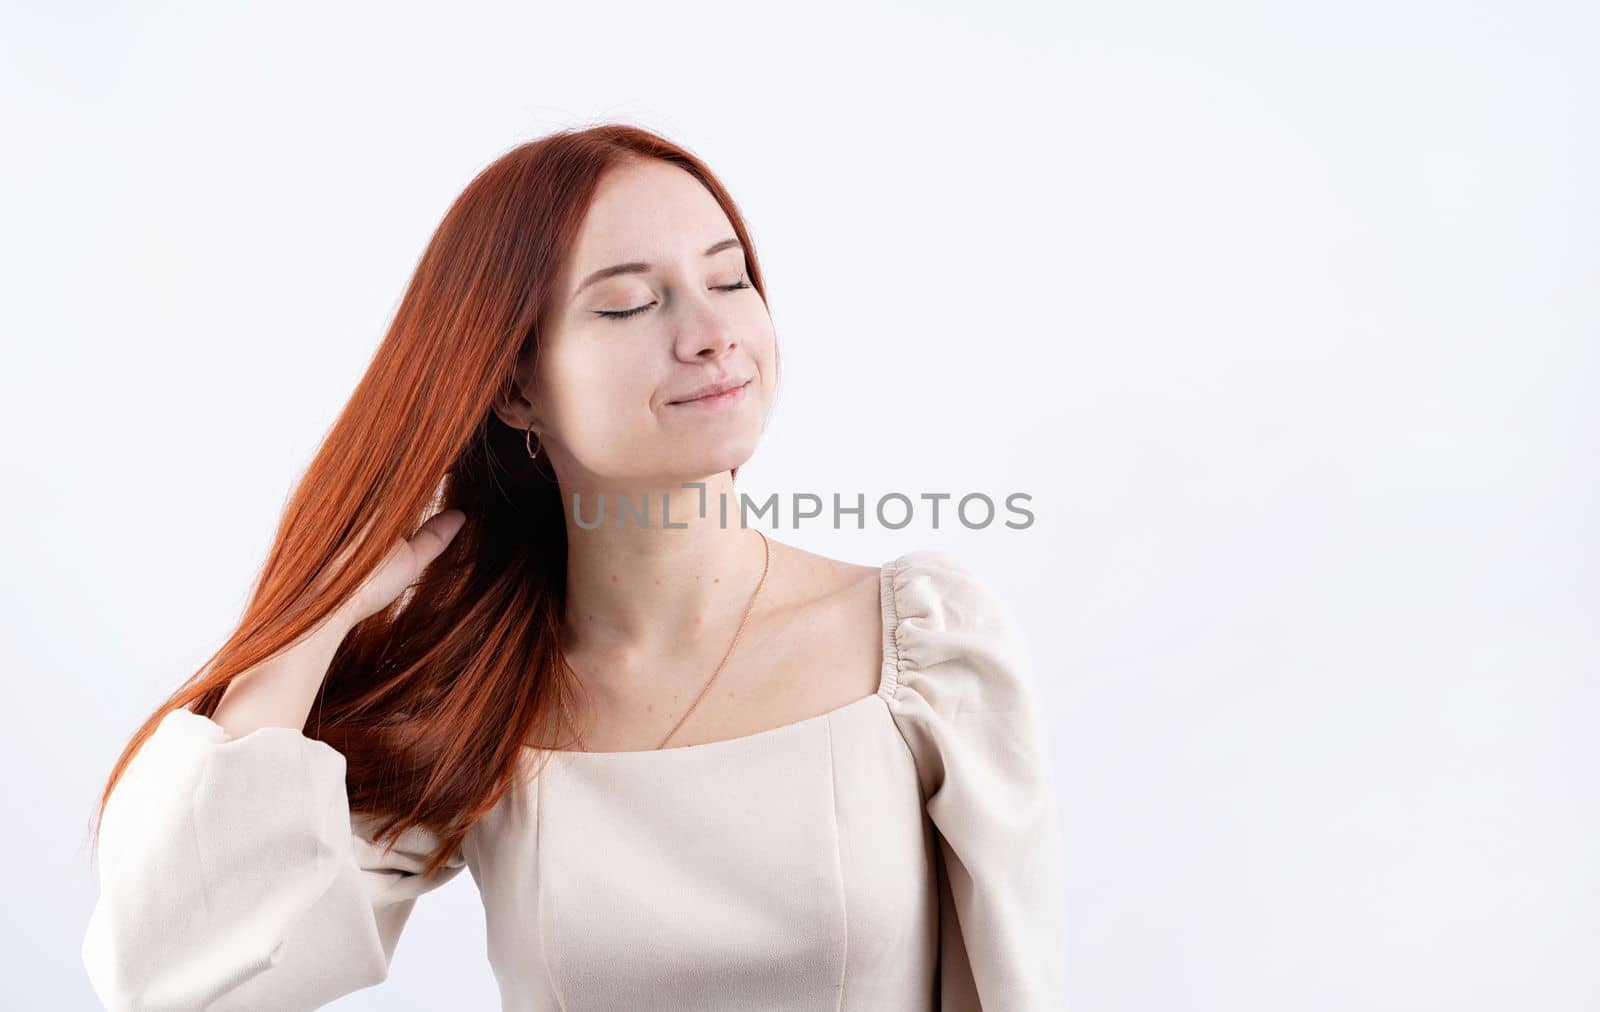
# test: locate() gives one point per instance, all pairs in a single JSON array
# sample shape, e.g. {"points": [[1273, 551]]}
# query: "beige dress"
{"points": [[900, 852]]}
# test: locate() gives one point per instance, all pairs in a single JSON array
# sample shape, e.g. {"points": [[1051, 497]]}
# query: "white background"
{"points": [[1284, 314]]}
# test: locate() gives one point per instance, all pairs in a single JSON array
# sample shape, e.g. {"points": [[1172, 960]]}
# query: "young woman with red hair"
{"points": [[688, 767]]}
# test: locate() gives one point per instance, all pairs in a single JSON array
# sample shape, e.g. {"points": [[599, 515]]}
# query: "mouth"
{"points": [[728, 395]]}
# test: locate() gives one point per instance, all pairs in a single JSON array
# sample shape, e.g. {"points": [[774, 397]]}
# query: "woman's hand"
{"points": [[279, 691], [399, 569]]}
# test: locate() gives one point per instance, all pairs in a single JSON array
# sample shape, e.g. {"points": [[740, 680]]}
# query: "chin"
{"points": [[714, 460]]}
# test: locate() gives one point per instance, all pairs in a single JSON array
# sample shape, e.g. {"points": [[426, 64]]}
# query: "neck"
{"points": [[639, 592]]}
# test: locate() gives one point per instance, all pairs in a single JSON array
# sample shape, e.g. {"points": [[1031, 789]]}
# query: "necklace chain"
{"points": [[766, 564]]}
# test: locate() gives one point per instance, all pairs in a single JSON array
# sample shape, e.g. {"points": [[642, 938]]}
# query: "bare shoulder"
{"points": [[825, 625], [823, 588], [819, 577]]}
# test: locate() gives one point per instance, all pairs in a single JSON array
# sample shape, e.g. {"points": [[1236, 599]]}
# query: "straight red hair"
{"points": [[432, 700]]}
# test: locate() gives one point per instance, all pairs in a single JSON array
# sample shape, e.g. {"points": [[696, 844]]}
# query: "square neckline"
{"points": [[888, 674]]}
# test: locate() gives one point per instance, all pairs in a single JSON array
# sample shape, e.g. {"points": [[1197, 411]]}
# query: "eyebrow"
{"points": [[639, 267]]}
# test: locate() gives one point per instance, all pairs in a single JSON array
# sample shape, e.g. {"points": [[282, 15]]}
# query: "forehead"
{"points": [[649, 211]]}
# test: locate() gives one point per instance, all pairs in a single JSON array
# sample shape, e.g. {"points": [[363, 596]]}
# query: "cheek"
{"points": [[594, 389], [763, 347]]}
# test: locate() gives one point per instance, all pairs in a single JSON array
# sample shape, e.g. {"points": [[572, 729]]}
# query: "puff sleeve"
{"points": [[234, 876], [965, 704]]}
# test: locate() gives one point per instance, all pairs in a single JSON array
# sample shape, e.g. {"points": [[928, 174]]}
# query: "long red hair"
{"points": [[432, 700]]}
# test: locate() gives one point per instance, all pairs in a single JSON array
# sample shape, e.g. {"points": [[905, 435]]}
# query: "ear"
{"points": [[515, 409]]}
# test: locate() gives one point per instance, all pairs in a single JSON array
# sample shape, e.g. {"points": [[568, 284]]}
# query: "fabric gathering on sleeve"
{"points": [[234, 876], [966, 705]]}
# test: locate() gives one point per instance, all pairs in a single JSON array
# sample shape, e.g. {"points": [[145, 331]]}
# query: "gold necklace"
{"points": [[766, 563]]}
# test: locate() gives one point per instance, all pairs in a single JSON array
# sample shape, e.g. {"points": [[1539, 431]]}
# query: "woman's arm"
{"points": [[232, 872]]}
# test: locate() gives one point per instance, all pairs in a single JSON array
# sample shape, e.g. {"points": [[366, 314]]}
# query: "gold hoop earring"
{"points": [[527, 441]]}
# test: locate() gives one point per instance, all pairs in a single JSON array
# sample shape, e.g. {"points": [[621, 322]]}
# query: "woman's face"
{"points": [[608, 392]]}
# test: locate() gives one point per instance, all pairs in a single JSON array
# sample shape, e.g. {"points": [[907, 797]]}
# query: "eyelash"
{"points": [[623, 314]]}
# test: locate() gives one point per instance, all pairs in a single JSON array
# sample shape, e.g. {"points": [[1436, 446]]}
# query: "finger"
{"points": [[344, 554], [432, 537]]}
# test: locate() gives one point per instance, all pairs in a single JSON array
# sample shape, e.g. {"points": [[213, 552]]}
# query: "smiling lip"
{"points": [[715, 396]]}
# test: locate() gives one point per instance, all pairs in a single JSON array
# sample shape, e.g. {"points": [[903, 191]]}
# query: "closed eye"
{"points": [[623, 314]]}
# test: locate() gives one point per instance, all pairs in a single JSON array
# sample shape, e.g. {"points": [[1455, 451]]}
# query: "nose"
{"points": [[703, 332]]}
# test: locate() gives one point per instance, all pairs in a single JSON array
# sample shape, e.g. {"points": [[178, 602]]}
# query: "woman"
{"points": [[689, 767]]}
